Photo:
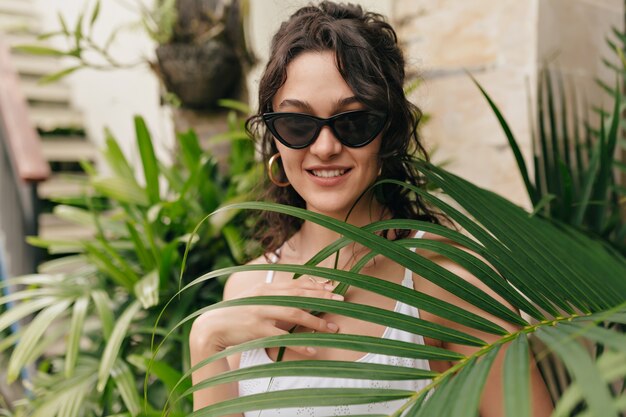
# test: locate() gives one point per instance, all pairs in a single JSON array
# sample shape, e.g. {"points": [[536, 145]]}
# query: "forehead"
{"points": [[314, 79]]}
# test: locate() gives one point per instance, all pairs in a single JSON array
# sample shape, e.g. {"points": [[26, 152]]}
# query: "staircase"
{"points": [[59, 124]]}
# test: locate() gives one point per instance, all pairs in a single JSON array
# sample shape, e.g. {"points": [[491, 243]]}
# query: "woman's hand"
{"points": [[218, 329]]}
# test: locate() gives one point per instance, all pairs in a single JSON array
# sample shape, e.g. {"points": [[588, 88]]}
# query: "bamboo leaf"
{"points": [[521, 165], [115, 158], [103, 306], [114, 343], [317, 368], [122, 190], [145, 258], [18, 312], [301, 398], [517, 379], [402, 256], [583, 371], [611, 365], [163, 371], [148, 160], [472, 381], [375, 315], [125, 383], [31, 337], [94, 14], [388, 289], [56, 76], [79, 312], [147, 289], [39, 50]]}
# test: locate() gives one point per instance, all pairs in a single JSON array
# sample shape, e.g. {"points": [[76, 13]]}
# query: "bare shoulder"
{"points": [[239, 282]]}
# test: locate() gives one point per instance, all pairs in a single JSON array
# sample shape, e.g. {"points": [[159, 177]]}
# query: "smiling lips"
{"points": [[328, 176], [328, 173]]}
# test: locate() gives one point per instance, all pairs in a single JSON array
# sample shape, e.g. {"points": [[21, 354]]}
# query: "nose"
{"points": [[326, 145]]}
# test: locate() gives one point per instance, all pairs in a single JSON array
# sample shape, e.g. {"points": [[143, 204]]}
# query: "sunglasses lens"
{"points": [[358, 128], [295, 129]]}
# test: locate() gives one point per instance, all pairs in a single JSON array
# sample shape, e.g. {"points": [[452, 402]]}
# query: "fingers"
{"points": [[298, 288], [302, 318]]}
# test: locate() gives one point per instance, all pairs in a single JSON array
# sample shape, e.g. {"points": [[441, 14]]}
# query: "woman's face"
{"points": [[327, 175]]}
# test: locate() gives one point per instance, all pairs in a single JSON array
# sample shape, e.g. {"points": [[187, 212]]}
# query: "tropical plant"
{"points": [[566, 282], [201, 52], [94, 304], [577, 166]]}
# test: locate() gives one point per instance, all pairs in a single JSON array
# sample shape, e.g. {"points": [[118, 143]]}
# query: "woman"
{"points": [[334, 119]]}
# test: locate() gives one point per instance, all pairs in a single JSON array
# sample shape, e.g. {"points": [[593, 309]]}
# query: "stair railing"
{"points": [[22, 167]]}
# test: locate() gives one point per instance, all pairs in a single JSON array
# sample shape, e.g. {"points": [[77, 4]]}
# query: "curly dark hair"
{"points": [[372, 64]]}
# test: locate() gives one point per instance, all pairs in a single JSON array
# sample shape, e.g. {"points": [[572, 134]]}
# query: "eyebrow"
{"points": [[303, 105]]}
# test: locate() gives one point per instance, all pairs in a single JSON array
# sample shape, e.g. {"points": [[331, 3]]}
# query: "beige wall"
{"points": [[503, 44]]}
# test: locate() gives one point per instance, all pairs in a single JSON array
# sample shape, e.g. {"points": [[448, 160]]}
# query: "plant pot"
{"points": [[199, 74]]}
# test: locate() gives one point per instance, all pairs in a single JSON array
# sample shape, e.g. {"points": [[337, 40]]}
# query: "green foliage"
{"points": [[101, 298], [575, 280], [576, 166]]}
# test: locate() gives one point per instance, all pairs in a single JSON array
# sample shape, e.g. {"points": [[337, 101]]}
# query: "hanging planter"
{"points": [[199, 74]]}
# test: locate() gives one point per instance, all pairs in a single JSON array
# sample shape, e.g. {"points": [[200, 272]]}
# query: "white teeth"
{"points": [[328, 173]]}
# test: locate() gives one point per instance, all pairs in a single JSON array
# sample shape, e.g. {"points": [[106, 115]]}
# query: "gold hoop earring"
{"points": [[270, 171]]}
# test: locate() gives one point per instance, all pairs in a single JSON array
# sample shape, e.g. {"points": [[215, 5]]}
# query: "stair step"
{"points": [[62, 185], [35, 65], [53, 227], [21, 38], [68, 149], [55, 93], [51, 118], [17, 7], [18, 23]]}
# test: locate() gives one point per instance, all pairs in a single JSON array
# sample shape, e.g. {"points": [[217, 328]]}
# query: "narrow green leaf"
{"points": [[39, 50], [125, 383], [148, 160], [102, 303], [375, 315], [611, 366], [436, 403], [145, 257], [402, 256], [63, 24], [318, 368], [79, 312], [56, 76], [122, 190], [397, 292], [163, 371], [114, 343], [18, 312], [31, 336], [116, 159], [358, 343], [517, 379], [94, 14], [608, 338], [521, 165], [302, 398], [103, 261], [544, 202], [582, 369], [469, 389], [147, 289]]}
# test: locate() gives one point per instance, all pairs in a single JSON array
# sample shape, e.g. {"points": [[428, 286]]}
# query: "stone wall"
{"points": [[503, 43]]}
